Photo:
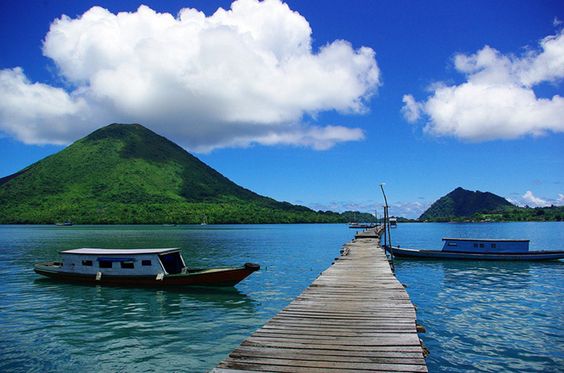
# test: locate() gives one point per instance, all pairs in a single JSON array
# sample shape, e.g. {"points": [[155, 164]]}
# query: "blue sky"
{"points": [[443, 94]]}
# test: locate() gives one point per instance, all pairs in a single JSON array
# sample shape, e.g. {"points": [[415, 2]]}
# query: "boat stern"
{"points": [[253, 267]]}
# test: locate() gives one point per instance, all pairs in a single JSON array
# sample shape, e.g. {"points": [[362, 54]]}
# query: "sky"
{"points": [[311, 102]]}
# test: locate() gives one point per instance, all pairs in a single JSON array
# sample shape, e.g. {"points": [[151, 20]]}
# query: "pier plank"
{"points": [[355, 316]]}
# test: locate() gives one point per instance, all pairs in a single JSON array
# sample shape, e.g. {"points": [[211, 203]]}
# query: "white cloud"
{"points": [[38, 113], [530, 199], [367, 206], [497, 100], [319, 138], [410, 210], [240, 76], [411, 109]]}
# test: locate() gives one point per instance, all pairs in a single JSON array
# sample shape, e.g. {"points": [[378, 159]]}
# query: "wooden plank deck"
{"points": [[354, 317]]}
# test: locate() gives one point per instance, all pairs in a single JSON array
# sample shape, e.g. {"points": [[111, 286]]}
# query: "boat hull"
{"points": [[436, 254], [199, 277], [361, 225]]}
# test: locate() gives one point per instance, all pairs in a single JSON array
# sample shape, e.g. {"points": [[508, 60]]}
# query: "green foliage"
{"points": [[552, 213], [360, 217], [127, 174], [461, 203]]}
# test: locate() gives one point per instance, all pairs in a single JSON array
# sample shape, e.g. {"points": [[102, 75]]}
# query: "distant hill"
{"points": [[125, 173], [464, 203]]}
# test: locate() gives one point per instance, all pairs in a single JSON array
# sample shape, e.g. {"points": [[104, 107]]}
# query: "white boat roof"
{"points": [[483, 239], [95, 251]]}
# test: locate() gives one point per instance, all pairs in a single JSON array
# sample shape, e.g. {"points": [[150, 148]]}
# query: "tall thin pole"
{"points": [[387, 231]]}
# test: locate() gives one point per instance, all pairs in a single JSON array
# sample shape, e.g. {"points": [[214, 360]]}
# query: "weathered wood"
{"points": [[328, 353], [371, 366], [299, 367], [305, 346], [392, 340], [354, 317], [276, 354]]}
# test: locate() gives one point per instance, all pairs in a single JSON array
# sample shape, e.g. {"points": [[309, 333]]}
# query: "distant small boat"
{"points": [[140, 267], [204, 220], [362, 225], [64, 224], [393, 222], [480, 249]]}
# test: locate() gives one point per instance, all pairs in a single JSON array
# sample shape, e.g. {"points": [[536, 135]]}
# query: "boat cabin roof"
{"points": [[94, 251], [483, 240]]}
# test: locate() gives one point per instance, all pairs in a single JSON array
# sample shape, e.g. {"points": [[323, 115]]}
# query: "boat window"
{"points": [[482, 245], [146, 262], [172, 262], [105, 264], [493, 245], [475, 245], [87, 263], [128, 265]]}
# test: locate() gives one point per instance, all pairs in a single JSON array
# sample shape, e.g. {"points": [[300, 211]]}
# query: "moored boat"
{"points": [[64, 224], [362, 225], [138, 267], [480, 249]]}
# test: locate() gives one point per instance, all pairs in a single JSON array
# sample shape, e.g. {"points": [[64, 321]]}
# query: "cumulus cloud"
{"points": [[241, 76], [497, 100], [410, 210], [530, 199], [411, 109], [367, 206]]}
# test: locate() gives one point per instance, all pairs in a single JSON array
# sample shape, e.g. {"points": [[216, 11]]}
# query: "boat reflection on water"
{"points": [[121, 327], [475, 274], [157, 301]]}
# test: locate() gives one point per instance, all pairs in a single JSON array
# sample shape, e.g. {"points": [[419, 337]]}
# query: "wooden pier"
{"points": [[354, 317]]}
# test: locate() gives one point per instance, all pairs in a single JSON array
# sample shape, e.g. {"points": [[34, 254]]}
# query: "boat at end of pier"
{"points": [[362, 225], [138, 267], [480, 249]]}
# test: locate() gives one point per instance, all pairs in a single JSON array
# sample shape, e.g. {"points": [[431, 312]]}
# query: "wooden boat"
{"points": [[140, 267], [480, 249], [362, 225]]}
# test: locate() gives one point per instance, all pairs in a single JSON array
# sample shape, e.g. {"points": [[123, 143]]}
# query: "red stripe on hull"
{"points": [[227, 277]]}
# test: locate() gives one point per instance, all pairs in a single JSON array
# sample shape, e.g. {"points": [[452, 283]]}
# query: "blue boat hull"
{"points": [[436, 254]]}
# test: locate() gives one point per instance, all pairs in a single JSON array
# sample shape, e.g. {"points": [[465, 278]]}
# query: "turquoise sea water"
{"points": [[487, 316], [479, 316]]}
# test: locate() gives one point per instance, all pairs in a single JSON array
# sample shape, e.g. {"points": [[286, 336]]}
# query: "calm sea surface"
{"points": [[480, 316]]}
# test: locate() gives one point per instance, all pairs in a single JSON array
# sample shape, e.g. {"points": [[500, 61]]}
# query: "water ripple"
{"points": [[487, 317]]}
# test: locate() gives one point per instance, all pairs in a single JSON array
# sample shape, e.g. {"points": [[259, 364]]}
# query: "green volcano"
{"points": [[464, 203], [125, 173]]}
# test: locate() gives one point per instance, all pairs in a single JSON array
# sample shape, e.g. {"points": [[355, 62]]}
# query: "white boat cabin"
{"points": [[471, 245], [138, 262]]}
